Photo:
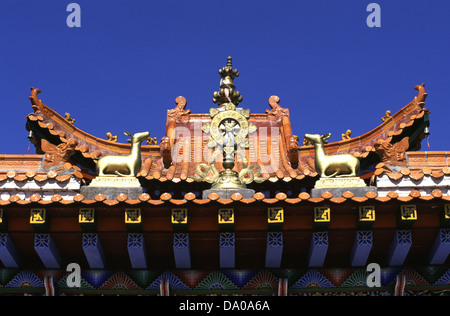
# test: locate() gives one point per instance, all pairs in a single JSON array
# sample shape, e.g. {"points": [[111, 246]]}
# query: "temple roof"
{"points": [[52, 180], [66, 153], [294, 161], [52, 214]]}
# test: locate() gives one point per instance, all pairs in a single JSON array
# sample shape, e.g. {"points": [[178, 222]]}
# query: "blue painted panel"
{"points": [[47, 251], [361, 248], [227, 250], [274, 249], [318, 249], [93, 251], [136, 251], [8, 253], [441, 247], [399, 247], [181, 251]]}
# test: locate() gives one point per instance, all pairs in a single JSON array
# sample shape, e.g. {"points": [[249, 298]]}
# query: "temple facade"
{"points": [[228, 202]]}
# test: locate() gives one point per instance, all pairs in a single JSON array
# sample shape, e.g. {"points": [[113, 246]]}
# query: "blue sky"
{"points": [[129, 60]]}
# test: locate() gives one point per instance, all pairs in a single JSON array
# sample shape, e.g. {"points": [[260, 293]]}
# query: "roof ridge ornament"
{"points": [[229, 129], [227, 93]]}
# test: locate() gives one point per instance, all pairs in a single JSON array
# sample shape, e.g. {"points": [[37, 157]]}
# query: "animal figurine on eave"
{"points": [[124, 166], [343, 165]]}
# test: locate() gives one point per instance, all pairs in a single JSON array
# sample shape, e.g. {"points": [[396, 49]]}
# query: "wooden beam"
{"points": [[361, 248], [440, 248], [181, 251], [318, 249], [164, 287], [400, 245], [47, 251], [8, 252], [93, 251], [49, 285], [274, 249], [227, 250], [136, 251], [283, 287]]}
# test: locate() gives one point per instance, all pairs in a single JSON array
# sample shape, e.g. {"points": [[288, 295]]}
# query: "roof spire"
{"points": [[227, 93], [229, 64]]}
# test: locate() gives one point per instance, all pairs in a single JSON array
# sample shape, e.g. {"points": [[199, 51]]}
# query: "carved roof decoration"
{"points": [[227, 91], [52, 180], [61, 145], [295, 161]]}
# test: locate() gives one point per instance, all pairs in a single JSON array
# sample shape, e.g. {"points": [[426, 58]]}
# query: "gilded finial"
{"points": [[227, 93], [229, 64], [229, 129]]}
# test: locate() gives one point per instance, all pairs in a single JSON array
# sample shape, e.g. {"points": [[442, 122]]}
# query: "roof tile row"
{"points": [[414, 173], [237, 197], [61, 174]]}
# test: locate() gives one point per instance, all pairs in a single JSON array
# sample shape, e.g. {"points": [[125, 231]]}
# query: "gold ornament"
{"points": [[229, 130]]}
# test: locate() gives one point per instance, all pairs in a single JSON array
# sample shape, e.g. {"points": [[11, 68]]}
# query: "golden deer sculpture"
{"points": [[124, 166], [344, 165]]}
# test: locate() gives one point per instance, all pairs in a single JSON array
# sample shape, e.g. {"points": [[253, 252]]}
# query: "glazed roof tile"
{"points": [[418, 165], [40, 176], [166, 199]]}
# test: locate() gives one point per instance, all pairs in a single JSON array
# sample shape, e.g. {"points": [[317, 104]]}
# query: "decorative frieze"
{"points": [[181, 251], [275, 218], [39, 220], [226, 219], [407, 216], [318, 249], [86, 219], [179, 219], [133, 219], [348, 182], [366, 216], [321, 217]]}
